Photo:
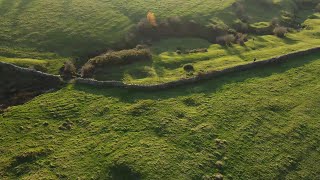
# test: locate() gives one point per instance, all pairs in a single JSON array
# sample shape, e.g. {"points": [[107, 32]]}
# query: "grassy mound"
{"points": [[251, 125]]}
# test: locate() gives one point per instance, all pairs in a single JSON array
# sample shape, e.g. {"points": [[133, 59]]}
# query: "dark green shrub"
{"points": [[280, 31], [178, 51], [188, 67]]}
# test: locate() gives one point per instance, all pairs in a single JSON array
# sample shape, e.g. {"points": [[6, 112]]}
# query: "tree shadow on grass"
{"points": [[290, 41], [205, 86]]}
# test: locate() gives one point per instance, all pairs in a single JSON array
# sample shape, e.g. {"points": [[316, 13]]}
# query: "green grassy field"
{"points": [[73, 28], [258, 124], [269, 120]]}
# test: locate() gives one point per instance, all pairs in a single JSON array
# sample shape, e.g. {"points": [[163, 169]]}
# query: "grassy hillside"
{"points": [[77, 27], [251, 125], [257, 124], [167, 65]]}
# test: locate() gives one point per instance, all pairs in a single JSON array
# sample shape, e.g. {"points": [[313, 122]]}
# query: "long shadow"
{"points": [[207, 87]]}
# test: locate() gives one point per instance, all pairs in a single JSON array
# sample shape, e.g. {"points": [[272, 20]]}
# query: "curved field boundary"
{"points": [[204, 76]]}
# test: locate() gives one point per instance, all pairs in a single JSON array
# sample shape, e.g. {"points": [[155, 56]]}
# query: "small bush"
{"points": [[188, 67], [226, 39], [68, 70], [87, 70], [280, 31]]}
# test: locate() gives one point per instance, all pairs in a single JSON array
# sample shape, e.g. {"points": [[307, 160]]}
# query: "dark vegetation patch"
{"points": [[22, 163], [175, 27], [190, 102], [19, 86], [123, 172], [141, 107]]}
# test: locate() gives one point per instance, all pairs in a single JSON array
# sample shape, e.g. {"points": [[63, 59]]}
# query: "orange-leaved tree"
{"points": [[152, 18]]}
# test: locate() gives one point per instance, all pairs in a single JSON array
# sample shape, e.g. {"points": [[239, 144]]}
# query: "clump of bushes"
{"points": [[176, 27], [280, 31], [121, 57], [111, 58], [226, 39]]}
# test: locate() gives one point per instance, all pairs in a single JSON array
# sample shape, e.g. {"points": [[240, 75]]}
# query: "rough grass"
{"points": [[259, 124]]}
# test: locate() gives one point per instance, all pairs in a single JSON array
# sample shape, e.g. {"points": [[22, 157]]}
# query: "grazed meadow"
{"points": [[256, 124]]}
